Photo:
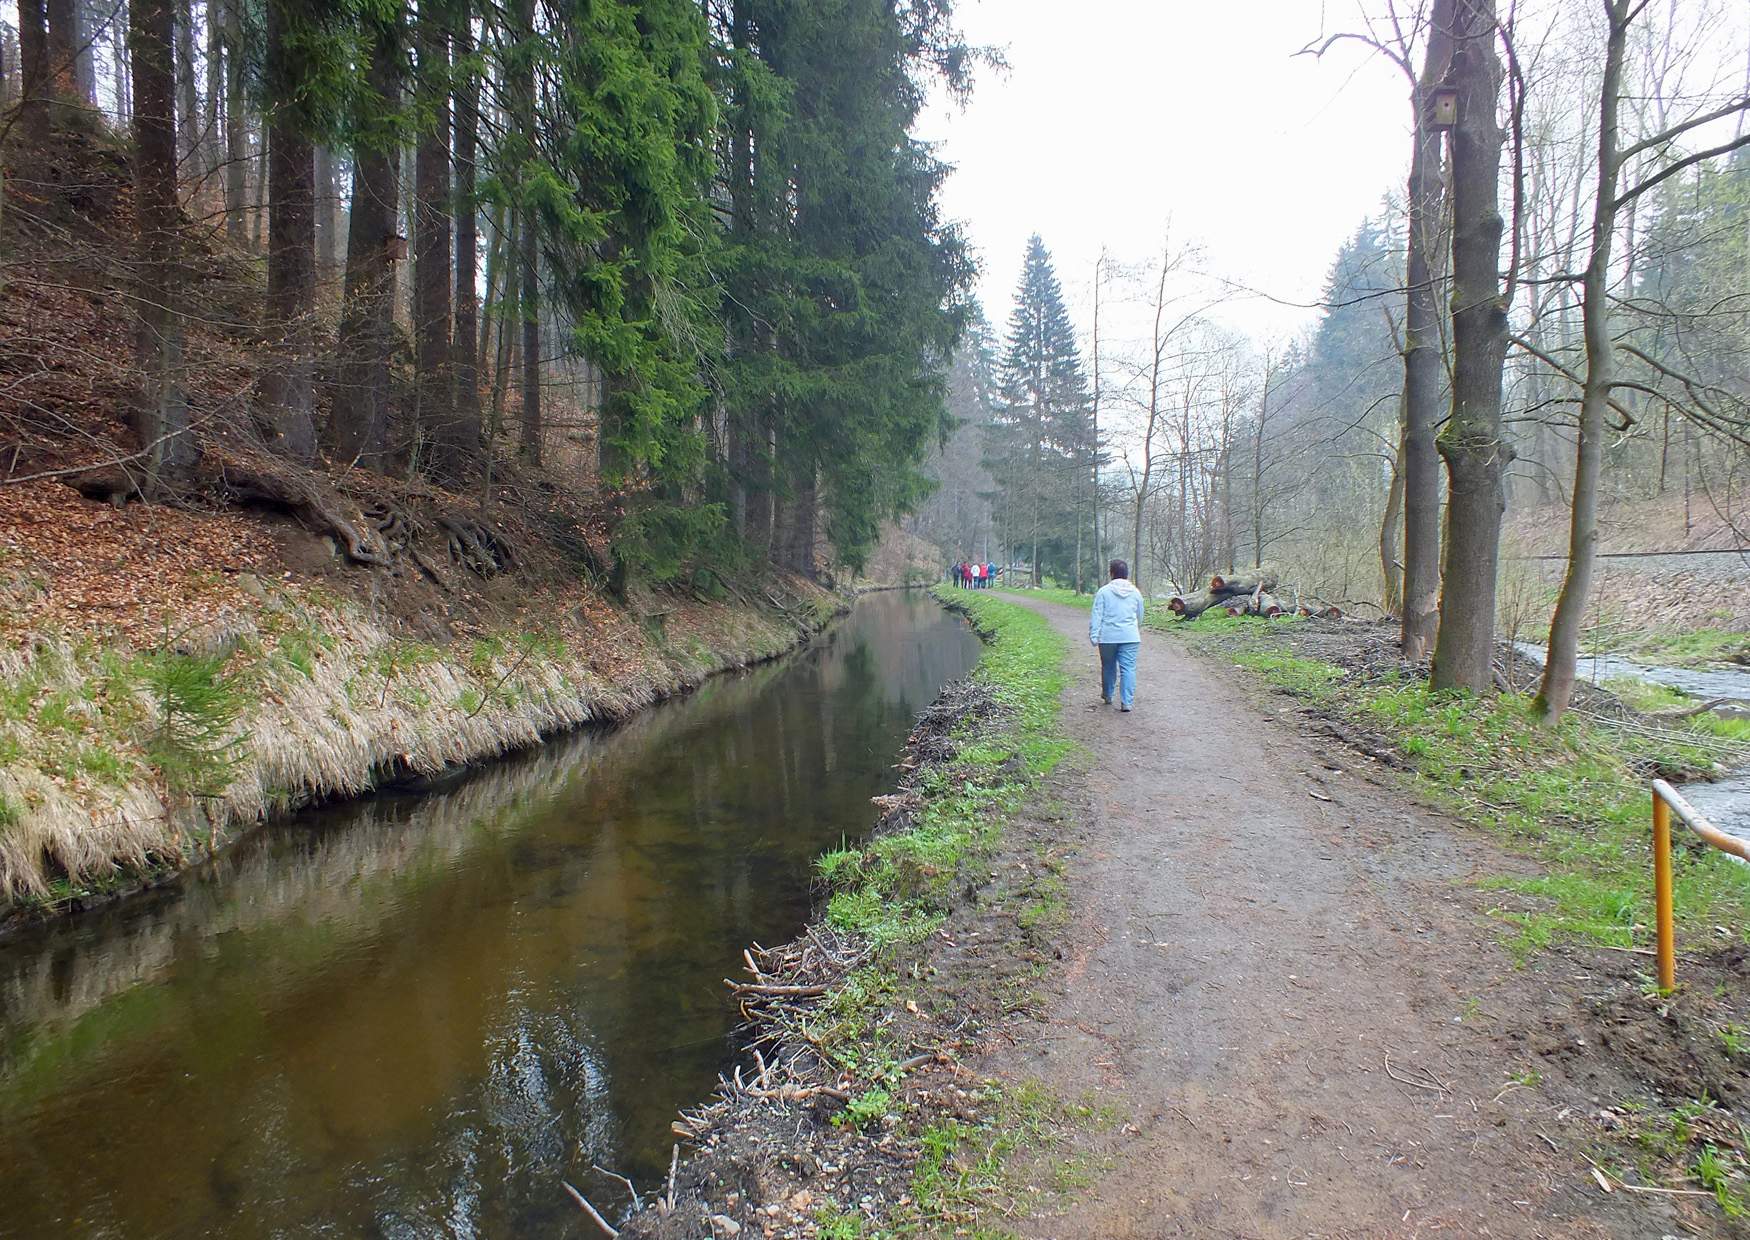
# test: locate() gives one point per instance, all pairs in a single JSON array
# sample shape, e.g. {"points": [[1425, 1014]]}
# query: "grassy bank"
{"points": [[1574, 798], [123, 760], [895, 890]]}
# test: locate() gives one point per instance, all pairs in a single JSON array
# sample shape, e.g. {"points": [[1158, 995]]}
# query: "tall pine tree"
{"points": [[1041, 444]]}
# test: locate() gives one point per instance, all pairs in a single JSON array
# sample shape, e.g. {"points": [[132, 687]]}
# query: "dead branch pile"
{"points": [[1245, 595]]}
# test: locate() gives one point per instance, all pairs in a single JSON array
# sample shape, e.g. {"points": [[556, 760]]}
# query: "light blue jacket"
{"points": [[1117, 614]]}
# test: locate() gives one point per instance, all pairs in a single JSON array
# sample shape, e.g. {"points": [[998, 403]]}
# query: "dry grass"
{"points": [[314, 697]]}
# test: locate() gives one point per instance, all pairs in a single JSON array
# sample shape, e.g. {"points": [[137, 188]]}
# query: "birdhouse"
{"points": [[1443, 107], [397, 246]]}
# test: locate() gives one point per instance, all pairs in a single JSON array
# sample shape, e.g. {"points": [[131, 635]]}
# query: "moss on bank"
{"points": [[119, 763]]}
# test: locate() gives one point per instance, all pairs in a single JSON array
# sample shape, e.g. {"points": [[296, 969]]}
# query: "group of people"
{"points": [[973, 574]]}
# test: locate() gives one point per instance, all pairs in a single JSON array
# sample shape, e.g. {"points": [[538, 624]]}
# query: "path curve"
{"points": [[1279, 973]]}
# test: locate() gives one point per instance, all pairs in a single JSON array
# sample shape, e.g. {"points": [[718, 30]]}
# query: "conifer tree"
{"points": [[1042, 441]]}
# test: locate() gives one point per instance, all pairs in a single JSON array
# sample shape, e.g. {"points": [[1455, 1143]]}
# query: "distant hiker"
{"points": [[990, 574], [954, 574], [1115, 627]]}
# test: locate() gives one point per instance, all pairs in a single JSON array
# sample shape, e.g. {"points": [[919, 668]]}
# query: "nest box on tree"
{"points": [[1443, 107]]}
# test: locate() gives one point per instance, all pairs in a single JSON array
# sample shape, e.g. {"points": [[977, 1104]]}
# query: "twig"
{"points": [[771, 988], [674, 1162], [1404, 1080], [637, 1204], [583, 1204]]}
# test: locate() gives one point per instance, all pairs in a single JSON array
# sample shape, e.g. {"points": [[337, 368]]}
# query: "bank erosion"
{"points": [[171, 676]]}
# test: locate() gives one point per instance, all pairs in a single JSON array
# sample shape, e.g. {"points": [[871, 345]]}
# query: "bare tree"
{"points": [[161, 415], [1560, 667], [1476, 455], [1418, 462]]}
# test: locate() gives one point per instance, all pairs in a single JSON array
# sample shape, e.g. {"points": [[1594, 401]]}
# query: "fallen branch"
{"points": [[583, 1204]]}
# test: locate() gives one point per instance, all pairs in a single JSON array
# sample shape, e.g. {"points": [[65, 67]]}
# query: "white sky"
{"points": [[1117, 116]]}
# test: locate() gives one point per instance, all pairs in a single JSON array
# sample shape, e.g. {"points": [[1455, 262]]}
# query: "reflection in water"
{"points": [[415, 1014]]}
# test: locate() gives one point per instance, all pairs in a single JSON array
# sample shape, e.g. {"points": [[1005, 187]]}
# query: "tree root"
{"points": [[314, 503]]}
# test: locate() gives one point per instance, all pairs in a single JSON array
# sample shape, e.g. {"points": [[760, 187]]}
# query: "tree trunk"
{"points": [[508, 318], [33, 69], [358, 428], [85, 23], [187, 102], [212, 149], [534, 433], [520, 80], [1475, 454], [288, 378], [161, 417], [63, 51], [118, 52], [236, 127], [465, 356], [433, 380], [1561, 665], [1391, 568], [327, 244], [1424, 369]]}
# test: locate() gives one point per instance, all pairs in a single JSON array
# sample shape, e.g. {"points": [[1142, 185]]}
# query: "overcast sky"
{"points": [[1118, 116]]}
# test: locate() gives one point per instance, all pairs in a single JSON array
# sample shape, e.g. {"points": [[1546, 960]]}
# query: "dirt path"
{"points": [[1277, 972]]}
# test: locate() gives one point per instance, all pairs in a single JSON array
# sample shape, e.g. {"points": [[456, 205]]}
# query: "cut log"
{"points": [[1239, 584], [1266, 605], [1190, 608]]}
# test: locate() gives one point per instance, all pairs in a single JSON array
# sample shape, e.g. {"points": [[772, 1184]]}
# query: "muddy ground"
{"points": [[1281, 970], [1264, 995]]}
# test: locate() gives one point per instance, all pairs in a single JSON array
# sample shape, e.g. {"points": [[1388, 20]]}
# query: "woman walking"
{"points": [[1115, 629]]}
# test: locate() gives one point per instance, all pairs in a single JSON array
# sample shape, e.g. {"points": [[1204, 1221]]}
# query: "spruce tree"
{"points": [[1042, 441]]}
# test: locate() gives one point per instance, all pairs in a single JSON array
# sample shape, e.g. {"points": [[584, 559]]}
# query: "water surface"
{"points": [[416, 1014]]}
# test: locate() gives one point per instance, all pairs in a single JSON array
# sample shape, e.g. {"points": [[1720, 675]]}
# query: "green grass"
{"points": [[1689, 647], [1573, 797], [1649, 698], [896, 889]]}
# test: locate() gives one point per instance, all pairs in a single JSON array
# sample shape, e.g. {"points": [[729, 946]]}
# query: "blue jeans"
{"points": [[1118, 665]]}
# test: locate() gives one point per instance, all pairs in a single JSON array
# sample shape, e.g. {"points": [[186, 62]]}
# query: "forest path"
{"points": [[1277, 972]]}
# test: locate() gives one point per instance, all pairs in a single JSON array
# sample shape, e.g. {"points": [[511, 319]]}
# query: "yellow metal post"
{"points": [[1662, 893]]}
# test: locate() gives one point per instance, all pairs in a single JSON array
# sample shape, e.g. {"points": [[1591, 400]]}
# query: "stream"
{"points": [[416, 1014], [1725, 802]]}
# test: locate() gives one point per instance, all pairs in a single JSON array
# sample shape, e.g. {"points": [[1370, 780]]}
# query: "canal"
{"points": [[418, 1013]]}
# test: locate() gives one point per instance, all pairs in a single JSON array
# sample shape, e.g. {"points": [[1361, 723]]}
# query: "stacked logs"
{"points": [[1243, 595]]}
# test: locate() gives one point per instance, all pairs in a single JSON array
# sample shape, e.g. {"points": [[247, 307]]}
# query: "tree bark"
{"points": [[187, 102], [1424, 369], [161, 416], [358, 427], [327, 243], [1391, 567], [33, 69], [63, 51], [85, 23], [520, 80], [534, 433], [465, 356], [236, 126], [1476, 455], [1561, 666], [434, 382], [288, 379]]}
